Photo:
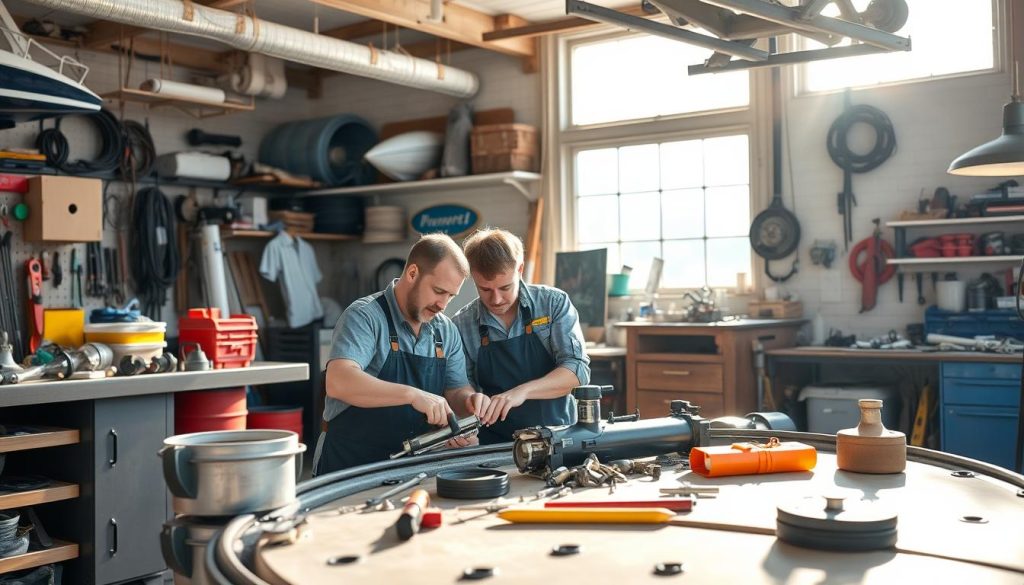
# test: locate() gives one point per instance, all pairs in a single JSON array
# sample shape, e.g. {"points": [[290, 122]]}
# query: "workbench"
{"points": [[709, 364], [979, 393], [107, 502]]}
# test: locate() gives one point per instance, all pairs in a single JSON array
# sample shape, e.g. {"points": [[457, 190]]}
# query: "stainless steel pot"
{"points": [[183, 544], [225, 473]]}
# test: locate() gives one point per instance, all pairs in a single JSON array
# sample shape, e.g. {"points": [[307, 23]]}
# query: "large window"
{"points": [[686, 201], [949, 37]]}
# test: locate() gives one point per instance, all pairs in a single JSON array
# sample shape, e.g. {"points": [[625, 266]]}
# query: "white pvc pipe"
{"points": [[268, 38]]}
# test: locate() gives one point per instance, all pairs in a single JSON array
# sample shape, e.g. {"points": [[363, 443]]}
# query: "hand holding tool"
{"points": [[412, 514], [434, 440]]}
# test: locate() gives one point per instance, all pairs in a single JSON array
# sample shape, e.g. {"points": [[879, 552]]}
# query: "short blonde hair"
{"points": [[492, 250], [431, 249]]}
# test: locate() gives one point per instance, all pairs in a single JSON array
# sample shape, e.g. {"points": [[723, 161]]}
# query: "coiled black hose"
{"points": [[54, 145], [838, 137], [154, 252], [139, 151]]}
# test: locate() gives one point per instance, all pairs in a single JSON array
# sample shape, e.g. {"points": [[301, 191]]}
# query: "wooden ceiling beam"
{"points": [[460, 24], [357, 30], [554, 26]]}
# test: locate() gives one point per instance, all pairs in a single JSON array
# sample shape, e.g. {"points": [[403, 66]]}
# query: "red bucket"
{"points": [[287, 418], [209, 410]]}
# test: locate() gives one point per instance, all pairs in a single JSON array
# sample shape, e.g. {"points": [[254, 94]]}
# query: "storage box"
{"points": [[775, 309], [64, 209], [228, 342], [497, 148], [831, 408], [998, 322]]}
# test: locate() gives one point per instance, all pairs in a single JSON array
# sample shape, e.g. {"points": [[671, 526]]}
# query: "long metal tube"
{"points": [[268, 38]]}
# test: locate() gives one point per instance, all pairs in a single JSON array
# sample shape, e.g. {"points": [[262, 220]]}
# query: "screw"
{"points": [[668, 569], [962, 473], [973, 519], [565, 550], [478, 573], [343, 560]]}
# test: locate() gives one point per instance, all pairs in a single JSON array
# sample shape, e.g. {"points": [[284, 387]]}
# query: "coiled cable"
{"points": [[54, 144], [838, 139], [153, 252], [139, 151]]}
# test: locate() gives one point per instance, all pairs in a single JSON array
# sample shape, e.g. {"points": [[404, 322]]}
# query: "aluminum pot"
{"points": [[226, 473], [183, 543]]}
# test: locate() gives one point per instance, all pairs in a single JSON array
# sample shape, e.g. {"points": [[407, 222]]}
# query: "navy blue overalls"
{"points": [[366, 435], [503, 365]]}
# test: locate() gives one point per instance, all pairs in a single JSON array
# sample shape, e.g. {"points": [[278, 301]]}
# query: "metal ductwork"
{"points": [[254, 35]]}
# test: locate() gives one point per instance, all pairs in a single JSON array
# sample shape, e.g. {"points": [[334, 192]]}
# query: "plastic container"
{"points": [[210, 410], [126, 333], [832, 408], [286, 418], [228, 342], [952, 295], [619, 285]]}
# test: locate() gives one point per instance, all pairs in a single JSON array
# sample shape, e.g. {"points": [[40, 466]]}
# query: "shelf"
{"points": [[160, 181], [198, 108], [517, 180], [911, 262], [952, 222], [310, 236], [56, 492], [60, 551], [49, 437]]}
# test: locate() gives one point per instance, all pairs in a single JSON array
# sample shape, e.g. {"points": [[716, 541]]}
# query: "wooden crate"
{"points": [[294, 221], [500, 163], [776, 309], [493, 139]]}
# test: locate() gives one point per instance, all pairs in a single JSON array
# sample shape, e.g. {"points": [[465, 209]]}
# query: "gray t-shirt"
{"points": [[293, 263], [361, 335]]}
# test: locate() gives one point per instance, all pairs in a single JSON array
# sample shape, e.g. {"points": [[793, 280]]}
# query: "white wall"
{"points": [[934, 123]]}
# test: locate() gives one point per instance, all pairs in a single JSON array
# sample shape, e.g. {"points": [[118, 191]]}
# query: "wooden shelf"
{"points": [[197, 108], [49, 437], [56, 492], [60, 551], [311, 236], [952, 222], [911, 262], [517, 180]]}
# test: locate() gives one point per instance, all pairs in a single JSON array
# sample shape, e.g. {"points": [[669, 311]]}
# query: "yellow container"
{"points": [[124, 337], [65, 326]]}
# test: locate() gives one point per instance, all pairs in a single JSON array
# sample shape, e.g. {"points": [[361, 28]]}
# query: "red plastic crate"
{"points": [[228, 342]]}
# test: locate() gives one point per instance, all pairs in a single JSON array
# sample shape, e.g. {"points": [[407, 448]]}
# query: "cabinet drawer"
{"points": [[655, 403], [987, 371], [980, 392], [983, 433], [679, 376]]}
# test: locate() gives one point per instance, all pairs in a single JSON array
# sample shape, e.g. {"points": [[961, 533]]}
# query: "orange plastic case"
{"points": [[751, 458]]}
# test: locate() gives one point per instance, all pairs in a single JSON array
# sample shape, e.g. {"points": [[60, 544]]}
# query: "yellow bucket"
{"points": [[124, 337]]}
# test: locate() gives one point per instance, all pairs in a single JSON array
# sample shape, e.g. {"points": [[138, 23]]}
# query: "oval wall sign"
{"points": [[446, 219]]}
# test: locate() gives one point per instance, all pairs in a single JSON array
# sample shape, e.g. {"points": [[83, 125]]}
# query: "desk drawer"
{"points": [[980, 392], [679, 376], [981, 370], [655, 403]]}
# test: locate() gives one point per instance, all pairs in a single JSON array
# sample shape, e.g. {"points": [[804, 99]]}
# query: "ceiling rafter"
{"points": [[559, 25]]}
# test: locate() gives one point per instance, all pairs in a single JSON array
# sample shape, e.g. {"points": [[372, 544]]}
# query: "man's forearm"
{"points": [[555, 384], [457, 400], [356, 387]]}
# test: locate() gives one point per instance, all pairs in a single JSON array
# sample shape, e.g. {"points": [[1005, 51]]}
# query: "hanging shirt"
{"points": [[361, 335], [555, 321], [291, 262]]}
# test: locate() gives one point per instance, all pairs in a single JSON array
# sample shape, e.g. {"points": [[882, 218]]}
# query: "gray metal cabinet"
{"points": [[129, 501]]}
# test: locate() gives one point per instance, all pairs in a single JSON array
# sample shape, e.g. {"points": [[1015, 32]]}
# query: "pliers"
{"points": [[76, 279]]}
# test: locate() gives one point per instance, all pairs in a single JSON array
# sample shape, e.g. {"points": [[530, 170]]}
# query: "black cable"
{"points": [[472, 484], [54, 145], [139, 151], [154, 252], [838, 139]]}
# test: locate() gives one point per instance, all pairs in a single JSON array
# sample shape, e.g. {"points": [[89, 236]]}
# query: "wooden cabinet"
{"points": [[710, 365]]}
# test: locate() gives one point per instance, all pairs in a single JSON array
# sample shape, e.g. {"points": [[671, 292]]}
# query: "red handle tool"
{"points": [[34, 280]]}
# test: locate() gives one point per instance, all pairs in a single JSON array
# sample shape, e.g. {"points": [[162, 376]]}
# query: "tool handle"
{"points": [[412, 514], [587, 515]]}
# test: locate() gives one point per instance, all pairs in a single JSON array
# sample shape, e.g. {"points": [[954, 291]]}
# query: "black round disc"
{"points": [[774, 233]]}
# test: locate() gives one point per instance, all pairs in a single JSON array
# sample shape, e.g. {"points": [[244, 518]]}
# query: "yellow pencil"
{"points": [[587, 515]]}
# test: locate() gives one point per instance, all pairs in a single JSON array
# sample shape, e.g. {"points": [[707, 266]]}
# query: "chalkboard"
{"points": [[583, 275]]}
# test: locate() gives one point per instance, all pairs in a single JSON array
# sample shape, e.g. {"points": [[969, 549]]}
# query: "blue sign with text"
{"points": [[446, 219]]}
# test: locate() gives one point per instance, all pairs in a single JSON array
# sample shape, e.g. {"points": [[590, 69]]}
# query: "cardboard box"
{"points": [[64, 209]]}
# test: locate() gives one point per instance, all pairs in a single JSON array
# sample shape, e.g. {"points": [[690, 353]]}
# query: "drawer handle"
{"points": [[676, 372], [113, 544], [113, 448]]}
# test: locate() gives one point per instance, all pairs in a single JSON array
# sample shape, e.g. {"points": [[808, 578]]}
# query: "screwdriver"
{"points": [[412, 514]]}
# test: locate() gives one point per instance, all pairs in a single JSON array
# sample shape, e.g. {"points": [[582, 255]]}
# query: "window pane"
{"points": [[948, 37], [645, 76], [726, 257], [614, 255], [598, 219], [682, 164], [638, 168], [728, 211], [682, 213], [638, 255], [639, 216], [684, 264], [726, 161], [597, 171]]}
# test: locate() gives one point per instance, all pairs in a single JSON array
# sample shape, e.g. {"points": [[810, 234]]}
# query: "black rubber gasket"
{"points": [[472, 484]]}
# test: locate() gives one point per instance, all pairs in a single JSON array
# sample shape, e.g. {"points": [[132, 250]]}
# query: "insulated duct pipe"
{"points": [[290, 44]]}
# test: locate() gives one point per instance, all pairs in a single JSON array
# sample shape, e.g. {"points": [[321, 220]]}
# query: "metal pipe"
{"points": [[268, 38]]}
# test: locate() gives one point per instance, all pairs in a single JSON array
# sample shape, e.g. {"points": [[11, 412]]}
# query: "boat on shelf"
{"points": [[30, 90]]}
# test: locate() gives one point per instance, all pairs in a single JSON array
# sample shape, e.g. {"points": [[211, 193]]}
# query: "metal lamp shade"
{"points": [[1002, 157]]}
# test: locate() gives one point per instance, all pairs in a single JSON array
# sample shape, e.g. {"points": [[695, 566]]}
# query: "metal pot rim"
{"points": [[233, 439]]}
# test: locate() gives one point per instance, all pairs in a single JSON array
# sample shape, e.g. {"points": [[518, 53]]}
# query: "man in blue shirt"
{"points": [[523, 342], [397, 364]]}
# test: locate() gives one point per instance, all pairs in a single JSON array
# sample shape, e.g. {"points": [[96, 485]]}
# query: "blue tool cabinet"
{"points": [[978, 414]]}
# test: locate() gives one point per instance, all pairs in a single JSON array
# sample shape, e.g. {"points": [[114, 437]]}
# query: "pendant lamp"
{"points": [[1004, 156]]}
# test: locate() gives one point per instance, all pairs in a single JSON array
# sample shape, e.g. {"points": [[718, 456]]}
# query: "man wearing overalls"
{"points": [[397, 364], [523, 342]]}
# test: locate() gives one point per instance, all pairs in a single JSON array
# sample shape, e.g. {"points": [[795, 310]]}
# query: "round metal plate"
{"points": [[775, 233]]}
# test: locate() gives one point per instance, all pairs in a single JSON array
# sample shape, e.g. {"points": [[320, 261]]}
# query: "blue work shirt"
{"points": [[361, 335], [561, 335]]}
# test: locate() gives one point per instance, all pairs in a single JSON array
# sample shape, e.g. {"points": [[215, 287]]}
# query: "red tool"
{"points": [[674, 504], [34, 274], [871, 271]]}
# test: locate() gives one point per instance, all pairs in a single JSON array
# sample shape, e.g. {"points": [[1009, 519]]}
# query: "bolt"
{"points": [[343, 560], [668, 569], [565, 550], [478, 573], [962, 473]]}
